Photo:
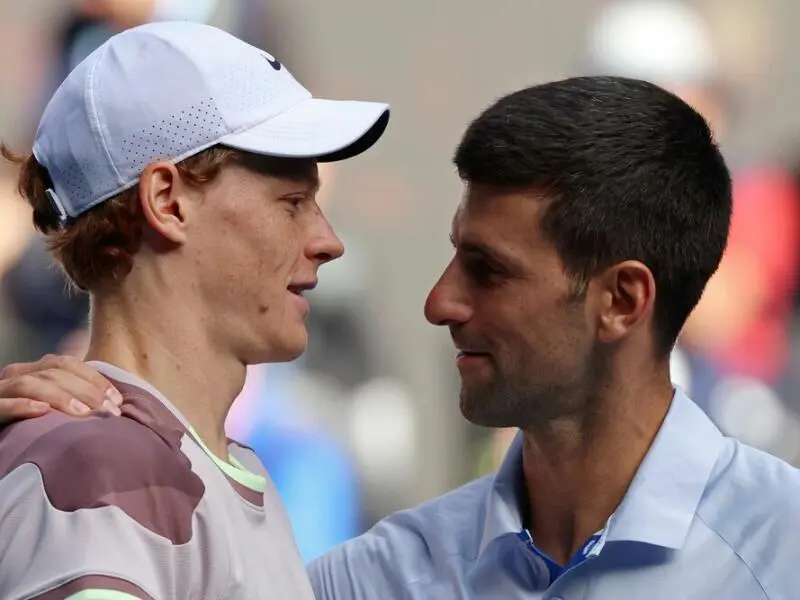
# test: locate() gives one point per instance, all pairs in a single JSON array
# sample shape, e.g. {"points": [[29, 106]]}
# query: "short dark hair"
{"points": [[632, 172]]}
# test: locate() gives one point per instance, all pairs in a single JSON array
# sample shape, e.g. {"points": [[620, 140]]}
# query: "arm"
{"points": [[63, 383]]}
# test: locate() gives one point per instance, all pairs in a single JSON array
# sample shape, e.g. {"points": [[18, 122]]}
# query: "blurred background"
{"points": [[367, 422]]}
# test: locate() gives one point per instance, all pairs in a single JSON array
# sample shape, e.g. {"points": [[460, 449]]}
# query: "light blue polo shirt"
{"points": [[705, 518]]}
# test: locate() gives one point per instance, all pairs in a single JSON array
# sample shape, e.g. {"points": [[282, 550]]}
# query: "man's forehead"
{"points": [[490, 213]]}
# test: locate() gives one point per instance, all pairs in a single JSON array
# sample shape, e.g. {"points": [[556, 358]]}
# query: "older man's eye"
{"points": [[480, 271]]}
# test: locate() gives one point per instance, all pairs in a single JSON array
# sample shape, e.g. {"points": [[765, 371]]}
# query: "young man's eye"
{"points": [[294, 204]]}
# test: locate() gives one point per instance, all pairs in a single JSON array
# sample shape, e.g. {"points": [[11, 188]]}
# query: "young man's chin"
{"points": [[288, 349]]}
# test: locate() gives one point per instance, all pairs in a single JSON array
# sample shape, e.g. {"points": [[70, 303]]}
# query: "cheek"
{"points": [[562, 340], [539, 330], [267, 267], [245, 269], [264, 246]]}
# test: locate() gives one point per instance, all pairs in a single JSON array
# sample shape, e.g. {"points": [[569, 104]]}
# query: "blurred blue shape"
{"points": [[312, 469]]}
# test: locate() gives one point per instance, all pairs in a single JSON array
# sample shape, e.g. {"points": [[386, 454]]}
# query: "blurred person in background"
{"points": [[583, 241], [89, 23], [41, 300]]}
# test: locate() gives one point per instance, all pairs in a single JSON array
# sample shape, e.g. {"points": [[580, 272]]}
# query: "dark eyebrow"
{"points": [[471, 246], [495, 257]]}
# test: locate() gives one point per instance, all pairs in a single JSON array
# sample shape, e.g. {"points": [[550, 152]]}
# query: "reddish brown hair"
{"points": [[98, 247]]}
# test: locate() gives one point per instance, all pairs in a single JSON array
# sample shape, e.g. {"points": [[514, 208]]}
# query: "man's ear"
{"points": [[627, 297], [163, 198]]}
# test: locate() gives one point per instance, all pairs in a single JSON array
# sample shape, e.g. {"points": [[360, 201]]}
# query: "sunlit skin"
{"points": [[217, 285]]}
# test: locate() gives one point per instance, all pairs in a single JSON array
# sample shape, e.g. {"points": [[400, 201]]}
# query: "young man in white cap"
{"points": [[174, 173]]}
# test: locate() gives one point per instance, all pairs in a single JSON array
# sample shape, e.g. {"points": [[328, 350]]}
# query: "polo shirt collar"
{"points": [[662, 499]]}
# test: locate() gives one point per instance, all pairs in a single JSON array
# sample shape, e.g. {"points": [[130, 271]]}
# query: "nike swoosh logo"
{"points": [[275, 64]]}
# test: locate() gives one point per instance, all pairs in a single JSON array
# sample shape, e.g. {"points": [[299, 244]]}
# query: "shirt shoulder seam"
{"points": [[736, 554]]}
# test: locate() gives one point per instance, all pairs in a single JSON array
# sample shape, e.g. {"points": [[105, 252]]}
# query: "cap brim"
{"points": [[327, 130]]}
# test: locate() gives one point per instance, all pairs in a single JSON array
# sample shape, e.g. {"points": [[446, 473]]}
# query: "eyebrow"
{"points": [[510, 264], [312, 182], [492, 255]]}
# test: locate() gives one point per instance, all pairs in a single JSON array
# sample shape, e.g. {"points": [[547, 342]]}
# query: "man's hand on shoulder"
{"points": [[63, 383]]}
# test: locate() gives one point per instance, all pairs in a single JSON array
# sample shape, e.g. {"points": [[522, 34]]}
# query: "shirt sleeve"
{"points": [[356, 570], [330, 578], [86, 516]]}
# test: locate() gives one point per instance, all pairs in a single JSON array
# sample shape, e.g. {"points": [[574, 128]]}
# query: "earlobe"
{"points": [[161, 193], [629, 296]]}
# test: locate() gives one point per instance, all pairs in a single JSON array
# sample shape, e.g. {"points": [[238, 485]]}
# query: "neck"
{"points": [[169, 349], [578, 469]]}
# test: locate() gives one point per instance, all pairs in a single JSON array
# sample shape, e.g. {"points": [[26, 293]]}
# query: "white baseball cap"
{"points": [[169, 90]]}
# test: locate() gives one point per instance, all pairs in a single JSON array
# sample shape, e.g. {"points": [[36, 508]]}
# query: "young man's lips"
{"points": [[302, 303], [301, 286], [296, 289]]}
